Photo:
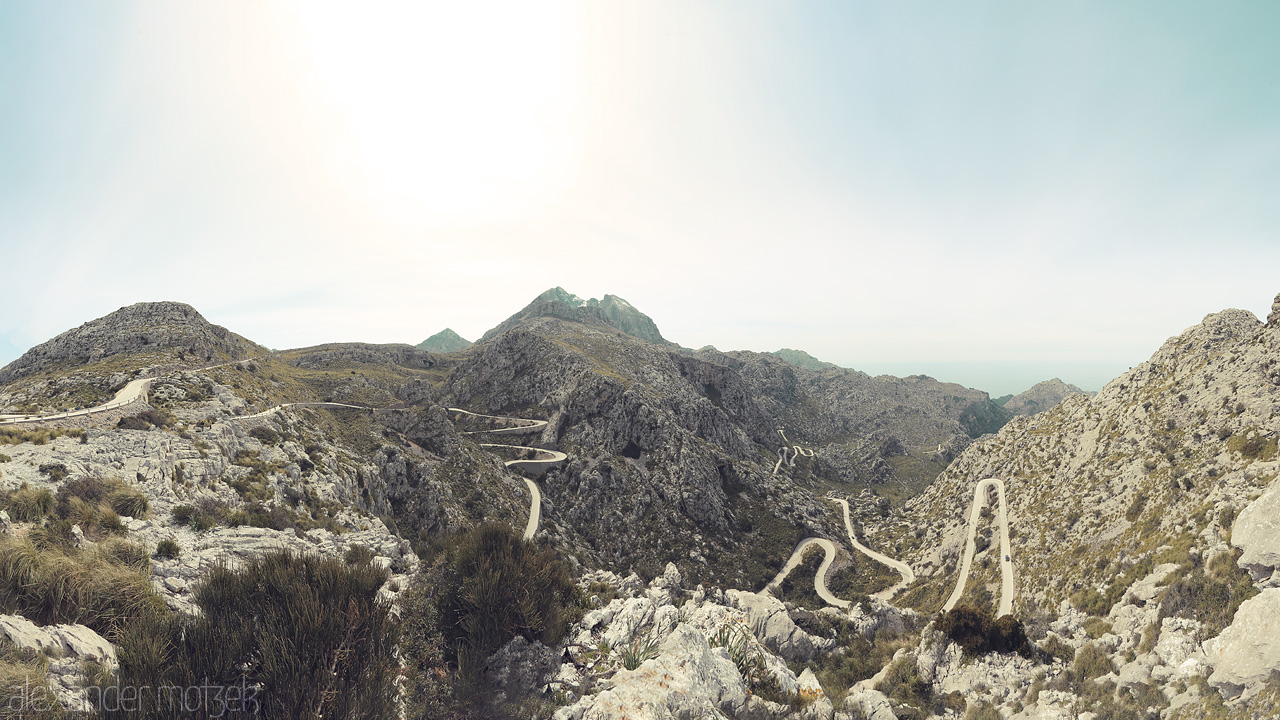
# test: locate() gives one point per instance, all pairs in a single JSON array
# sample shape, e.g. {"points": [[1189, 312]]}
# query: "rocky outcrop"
{"points": [[611, 312], [685, 679], [804, 360], [68, 649], [144, 327], [327, 357], [1257, 531], [1041, 396], [768, 618], [1273, 319], [1248, 652]]}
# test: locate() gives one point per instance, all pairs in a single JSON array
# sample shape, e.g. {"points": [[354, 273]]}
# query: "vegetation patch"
{"points": [[974, 630], [306, 635], [485, 587]]}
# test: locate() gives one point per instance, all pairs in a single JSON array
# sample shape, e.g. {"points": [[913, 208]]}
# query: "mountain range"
{"points": [[1135, 544]]}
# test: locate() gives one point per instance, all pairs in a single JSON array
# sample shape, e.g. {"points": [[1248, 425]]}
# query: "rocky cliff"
{"points": [[1125, 509]]}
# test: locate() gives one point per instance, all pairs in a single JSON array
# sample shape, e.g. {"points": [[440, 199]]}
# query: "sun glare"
{"points": [[446, 110]]}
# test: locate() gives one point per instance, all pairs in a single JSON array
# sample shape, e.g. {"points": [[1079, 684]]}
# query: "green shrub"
{"points": [[1091, 662], [489, 585], [1209, 595], [129, 501], [265, 435], [358, 555], [902, 683], [307, 633], [27, 504], [973, 629], [103, 588], [168, 549]]}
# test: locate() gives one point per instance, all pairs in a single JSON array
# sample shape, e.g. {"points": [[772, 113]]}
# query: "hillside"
{"points": [[1125, 507], [802, 359], [81, 367]]}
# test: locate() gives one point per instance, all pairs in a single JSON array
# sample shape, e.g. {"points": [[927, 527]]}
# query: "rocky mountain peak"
{"points": [[142, 327], [802, 359], [1273, 320], [445, 341], [611, 311], [1040, 397]]}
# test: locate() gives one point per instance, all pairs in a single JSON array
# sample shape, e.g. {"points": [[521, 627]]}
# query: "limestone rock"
{"points": [[1257, 531], [1248, 651], [70, 647], [686, 679], [145, 326], [520, 667], [768, 619]]}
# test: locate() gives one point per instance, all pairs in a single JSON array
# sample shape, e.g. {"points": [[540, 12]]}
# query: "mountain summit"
{"points": [[445, 341], [611, 311], [173, 328]]}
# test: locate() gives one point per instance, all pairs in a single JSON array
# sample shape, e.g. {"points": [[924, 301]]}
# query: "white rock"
{"points": [[1257, 531], [686, 679], [1248, 651]]}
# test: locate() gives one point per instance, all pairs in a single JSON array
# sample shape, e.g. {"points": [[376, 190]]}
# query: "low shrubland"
{"points": [[292, 636], [484, 587], [105, 587], [977, 632]]}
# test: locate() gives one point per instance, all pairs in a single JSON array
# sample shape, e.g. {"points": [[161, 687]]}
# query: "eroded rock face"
{"points": [[1273, 320], [1257, 531], [1248, 651]]}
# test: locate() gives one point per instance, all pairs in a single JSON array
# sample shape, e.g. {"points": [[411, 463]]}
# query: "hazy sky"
{"points": [[981, 190]]}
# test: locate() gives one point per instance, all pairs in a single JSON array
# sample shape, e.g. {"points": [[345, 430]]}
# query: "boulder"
{"points": [[872, 704], [520, 667], [768, 619], [75, 641], [1248, 651], [1257, 531], [686, 679]]}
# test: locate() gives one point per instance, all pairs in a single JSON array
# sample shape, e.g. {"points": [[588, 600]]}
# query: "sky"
{"points": [[993, 193]]}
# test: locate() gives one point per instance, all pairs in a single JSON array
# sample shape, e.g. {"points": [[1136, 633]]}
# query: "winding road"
{"points": [[134, 390], [787, 449], [278, 408], [1006, 564], [533, 460], [820, 577], [908, 575]]}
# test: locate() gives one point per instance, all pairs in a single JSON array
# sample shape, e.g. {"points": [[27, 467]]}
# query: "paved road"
{"points": [[535, 510], [278, 408], [132, 391], [787, 450], [127, 394], [1006, 564], [538, 461], [820, 577], [908, 575], [527, 427]]}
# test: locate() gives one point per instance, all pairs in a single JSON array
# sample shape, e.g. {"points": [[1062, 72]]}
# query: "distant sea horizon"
{"points": [[1001, 378]]}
